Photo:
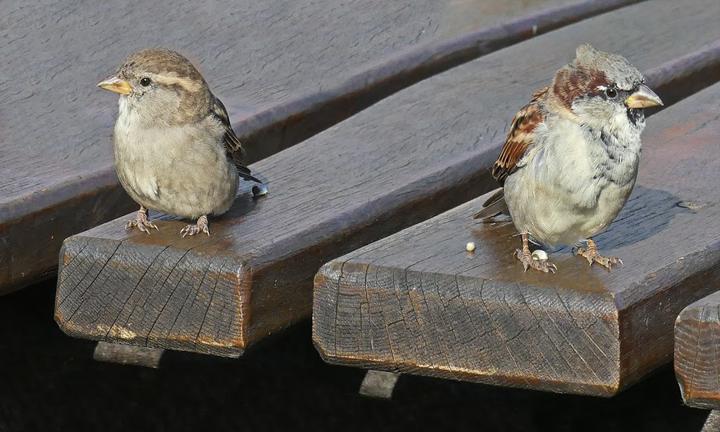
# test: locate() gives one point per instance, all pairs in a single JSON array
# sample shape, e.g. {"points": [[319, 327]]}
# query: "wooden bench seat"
{"points": [[697, 335], [417, 302], [697, 358], [411, 156], [285, 70]]}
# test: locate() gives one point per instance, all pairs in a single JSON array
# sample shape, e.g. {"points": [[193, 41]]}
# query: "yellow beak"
{"points": [[643, 98], [116, 85]]}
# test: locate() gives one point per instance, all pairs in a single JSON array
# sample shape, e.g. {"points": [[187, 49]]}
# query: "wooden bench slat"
{"points": [[418, 302], [409, 157], [285, 71], [697, 357]]}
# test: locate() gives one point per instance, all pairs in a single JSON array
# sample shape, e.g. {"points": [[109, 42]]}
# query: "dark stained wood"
{"points": [[285, 70], [697, 355], [409, 157], [417, 302]]}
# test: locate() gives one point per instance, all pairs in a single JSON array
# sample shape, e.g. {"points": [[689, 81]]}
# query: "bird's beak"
{"points": [[116, 85], [643, 98]]}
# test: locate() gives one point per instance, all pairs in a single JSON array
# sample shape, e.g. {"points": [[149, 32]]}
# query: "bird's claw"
{"points": [[528, 261], [592, 256], [141, 222], [200, 226], [191, 230]]}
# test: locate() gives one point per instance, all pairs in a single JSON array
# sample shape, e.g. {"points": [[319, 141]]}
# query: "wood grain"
{"points": [[417, 302], [285, 71], [697, 357], [407, 158]]}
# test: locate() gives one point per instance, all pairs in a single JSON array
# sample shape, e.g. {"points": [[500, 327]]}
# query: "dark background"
{"points": [[49, 382]]}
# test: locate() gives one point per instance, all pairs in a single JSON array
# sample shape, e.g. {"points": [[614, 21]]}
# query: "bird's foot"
{"points": [[592, 256], [529, 261], [200, 226], [141, 222]]}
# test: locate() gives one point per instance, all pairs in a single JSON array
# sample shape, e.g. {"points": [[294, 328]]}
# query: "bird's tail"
{"points": [[244, 172], [260, 188], [494, 206]]}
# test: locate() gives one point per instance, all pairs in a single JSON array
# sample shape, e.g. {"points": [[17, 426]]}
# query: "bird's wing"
{"points": [[520, 137], [493, 206], [233, 146]]}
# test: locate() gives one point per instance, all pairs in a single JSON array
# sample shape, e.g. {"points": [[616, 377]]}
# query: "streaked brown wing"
{"points": [[233, 146], [232, 143], [520, 137]]}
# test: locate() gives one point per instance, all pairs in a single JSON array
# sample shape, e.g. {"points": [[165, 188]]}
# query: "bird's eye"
{"points": [[145, 82], [610, 92]]}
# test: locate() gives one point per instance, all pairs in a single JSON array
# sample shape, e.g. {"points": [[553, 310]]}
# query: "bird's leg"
{"points": [[527, 260], [141, 222], [591, 255], [200, 226]]}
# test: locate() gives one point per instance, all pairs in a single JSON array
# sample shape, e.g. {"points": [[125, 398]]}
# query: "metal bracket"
{"points": [[712, 424], [128, 354], [379, 384]]}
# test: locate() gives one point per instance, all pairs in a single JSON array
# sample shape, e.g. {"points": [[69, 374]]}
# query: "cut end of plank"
{"points": [[697, 334], [358, 322], [150, 294]]}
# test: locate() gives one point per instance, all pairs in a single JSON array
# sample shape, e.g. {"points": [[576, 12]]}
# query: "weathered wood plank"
{"points": [[418, 302], [697, 357], [285, 71], [48, 383], [411, 156]]}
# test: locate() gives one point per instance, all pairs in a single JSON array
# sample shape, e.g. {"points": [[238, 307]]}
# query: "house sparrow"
{"points": [[570, 160], [175, 150]]}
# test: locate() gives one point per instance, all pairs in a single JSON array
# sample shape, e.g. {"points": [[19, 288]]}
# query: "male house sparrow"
{"points": [[571, 157], [175, 150]]}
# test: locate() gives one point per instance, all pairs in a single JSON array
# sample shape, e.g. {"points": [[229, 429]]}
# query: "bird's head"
{"points": [[161, 87], [604, 91]]}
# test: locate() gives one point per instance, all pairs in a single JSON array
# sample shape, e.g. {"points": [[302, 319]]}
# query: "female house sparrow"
{"points": [[571, 157], [175, 150]]}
